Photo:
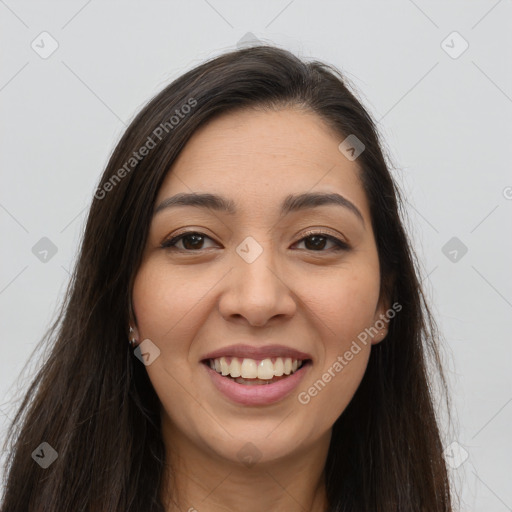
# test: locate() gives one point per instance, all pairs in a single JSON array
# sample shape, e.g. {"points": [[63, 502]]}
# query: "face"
{"points": [[305, 278]]}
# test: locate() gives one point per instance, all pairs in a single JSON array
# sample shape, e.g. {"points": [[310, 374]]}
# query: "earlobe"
{"points": [[133, 335], [381, 321], [133, 332], [381, 334]]}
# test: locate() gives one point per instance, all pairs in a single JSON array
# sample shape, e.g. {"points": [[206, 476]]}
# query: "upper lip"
{"points": [[250, 352]]}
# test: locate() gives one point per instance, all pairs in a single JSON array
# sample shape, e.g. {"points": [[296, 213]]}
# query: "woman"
{"points": [[245, 327]]}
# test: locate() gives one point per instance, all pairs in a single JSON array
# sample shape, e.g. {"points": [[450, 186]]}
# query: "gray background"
{"points": [[446, 119]]}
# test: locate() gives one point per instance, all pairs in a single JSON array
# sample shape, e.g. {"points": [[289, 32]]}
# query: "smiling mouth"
{"points": [[254, 372]]}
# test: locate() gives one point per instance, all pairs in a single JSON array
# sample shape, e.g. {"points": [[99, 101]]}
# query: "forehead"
{"points": [[265, 155]]}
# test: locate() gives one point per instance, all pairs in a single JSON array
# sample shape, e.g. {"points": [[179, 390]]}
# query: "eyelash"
{"points": [[340, 244]]}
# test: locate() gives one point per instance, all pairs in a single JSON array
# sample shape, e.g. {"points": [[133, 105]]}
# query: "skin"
{"points": [[314, 299]]}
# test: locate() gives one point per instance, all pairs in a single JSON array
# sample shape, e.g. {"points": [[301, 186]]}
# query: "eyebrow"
{"points": [[292, 203]]}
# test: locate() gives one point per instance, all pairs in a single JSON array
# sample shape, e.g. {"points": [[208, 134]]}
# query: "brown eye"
{"points": [[192, 241], [318, 241]]}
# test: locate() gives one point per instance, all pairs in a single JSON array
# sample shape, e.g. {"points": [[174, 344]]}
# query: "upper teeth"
{"points": [[252, 368]]}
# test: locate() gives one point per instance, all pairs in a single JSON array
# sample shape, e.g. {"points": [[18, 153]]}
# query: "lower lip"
{"points": [[262, 394]]}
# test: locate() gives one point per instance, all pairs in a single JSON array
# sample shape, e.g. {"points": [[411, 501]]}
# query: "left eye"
{"points": [[194, 241], [319, 240]]}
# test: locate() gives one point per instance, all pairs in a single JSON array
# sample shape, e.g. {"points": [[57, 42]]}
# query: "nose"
{"points": [[256, 292]]}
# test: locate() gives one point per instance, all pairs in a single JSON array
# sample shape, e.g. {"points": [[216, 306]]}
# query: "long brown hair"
{"points": [[91, 399]]}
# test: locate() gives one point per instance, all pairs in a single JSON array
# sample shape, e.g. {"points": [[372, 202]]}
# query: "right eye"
{"points": [[191, 241]]}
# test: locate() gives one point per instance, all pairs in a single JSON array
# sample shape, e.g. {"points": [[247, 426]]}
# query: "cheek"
{"points": [[163, 300], [344, 302], [344, 306], [163, 296], [333, 388]]}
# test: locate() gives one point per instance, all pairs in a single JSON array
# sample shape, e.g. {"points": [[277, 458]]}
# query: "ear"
{"points": [[133, 332], [382, 315]]}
